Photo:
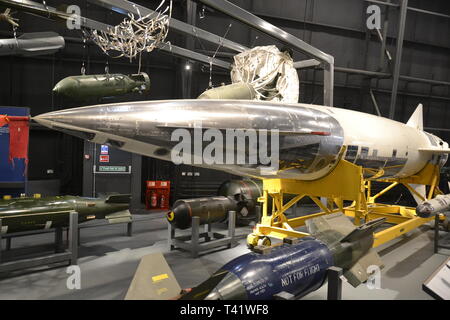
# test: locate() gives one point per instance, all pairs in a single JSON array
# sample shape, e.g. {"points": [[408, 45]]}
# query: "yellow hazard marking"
{"points": [[170, 216], [160, 277]]}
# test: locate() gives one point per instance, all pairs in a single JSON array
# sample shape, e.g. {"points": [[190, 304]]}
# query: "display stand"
{"points": [[440, 242], [129, 227], [69, 255], [334, 283], [211, 239], [59, 233]]}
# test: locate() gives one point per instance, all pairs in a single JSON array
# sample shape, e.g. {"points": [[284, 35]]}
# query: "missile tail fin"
{"points": [[363, 230], [118, 198], [337, 222], [119, 217], [420, 189], [416, 120], [362, 269]]}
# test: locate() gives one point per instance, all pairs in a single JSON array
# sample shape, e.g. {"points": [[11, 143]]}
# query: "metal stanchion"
{"points": [[73, 238]]}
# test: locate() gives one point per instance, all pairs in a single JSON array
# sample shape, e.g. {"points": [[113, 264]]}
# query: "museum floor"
{"points": [[108, 261]]}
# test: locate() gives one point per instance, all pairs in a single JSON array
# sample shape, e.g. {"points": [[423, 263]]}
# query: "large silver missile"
{"points": [[434, 206], [304, 141], [32, 44]]}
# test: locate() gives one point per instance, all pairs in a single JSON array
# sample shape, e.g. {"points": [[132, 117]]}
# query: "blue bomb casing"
{"points": [[296, 269]]}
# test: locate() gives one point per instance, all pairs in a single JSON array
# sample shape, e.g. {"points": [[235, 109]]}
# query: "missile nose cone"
{"points": [[43, 119], [424, 210], [180, 216], [222, 285], [57, 88], [72, 121]]}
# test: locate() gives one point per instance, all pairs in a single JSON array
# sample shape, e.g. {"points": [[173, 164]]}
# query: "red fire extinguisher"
{"points": [[153, 200], [162, 201]]}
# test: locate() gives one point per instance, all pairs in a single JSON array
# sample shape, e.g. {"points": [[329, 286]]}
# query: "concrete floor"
{"points": [[108, 261]]}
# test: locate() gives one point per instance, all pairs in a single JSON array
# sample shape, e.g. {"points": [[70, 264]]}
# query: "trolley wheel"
{"points": [[264, 241]]}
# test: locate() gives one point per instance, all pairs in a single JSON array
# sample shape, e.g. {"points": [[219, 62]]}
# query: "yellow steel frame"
{"points": [[345, 182]]}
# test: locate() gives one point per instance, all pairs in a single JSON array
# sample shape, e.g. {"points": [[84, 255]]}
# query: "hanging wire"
{"points": [[83, 67], [202, 13], [210, 85], [140, 62]]}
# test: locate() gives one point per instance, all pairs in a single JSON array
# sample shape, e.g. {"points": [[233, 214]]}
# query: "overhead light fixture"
{"points": [[201, 14]]}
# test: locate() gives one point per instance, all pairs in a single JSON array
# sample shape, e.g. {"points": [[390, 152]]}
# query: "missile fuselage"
{"points": [[311, 138], [85, 87], [25, 214]]}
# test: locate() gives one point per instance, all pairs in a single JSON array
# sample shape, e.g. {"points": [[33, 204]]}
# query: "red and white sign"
{"points": [[104, 158]]}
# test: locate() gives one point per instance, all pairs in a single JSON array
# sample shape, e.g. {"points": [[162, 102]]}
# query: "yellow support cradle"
{"points": [[345, 182]]}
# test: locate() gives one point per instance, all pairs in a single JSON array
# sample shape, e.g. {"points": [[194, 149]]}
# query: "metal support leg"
{"points": [[8, 244], [195, 236], [258, 210], [208, 231], [231, 227], [171, 236], [130, 229], [436, 234], [73, 237], [334, 283], [328, 84], [59, 240]]}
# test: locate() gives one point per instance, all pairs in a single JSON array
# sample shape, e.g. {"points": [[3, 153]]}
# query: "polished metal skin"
{"points": [[32, 44], [309, 139], [434, 206], [26, 213], [87, 87], [297, 268]]}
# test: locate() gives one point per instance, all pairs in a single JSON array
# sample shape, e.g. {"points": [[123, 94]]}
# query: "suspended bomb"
{"points": [[86, 87], [32, 44], [240, 90]]}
